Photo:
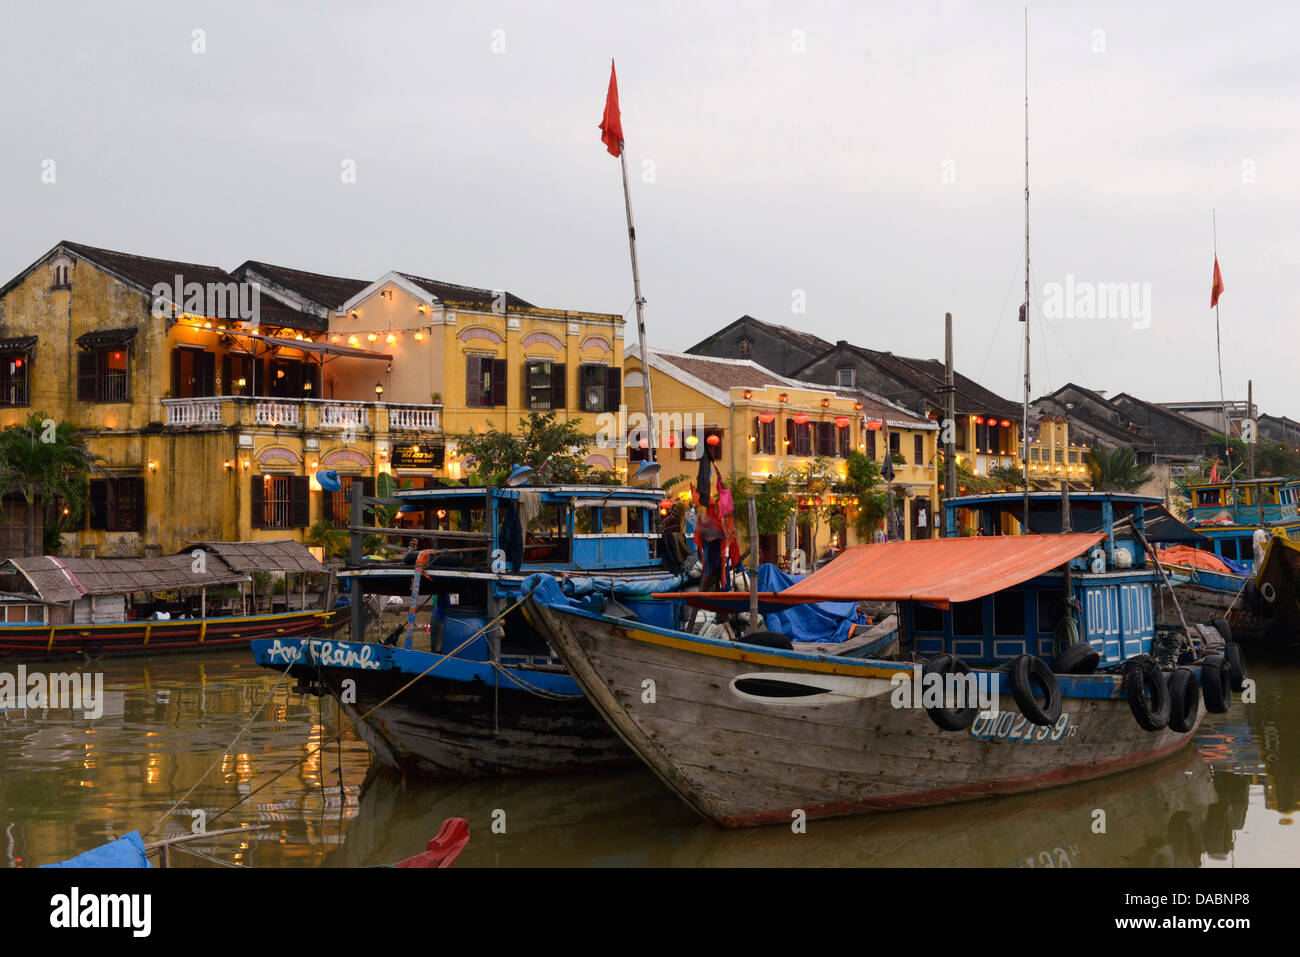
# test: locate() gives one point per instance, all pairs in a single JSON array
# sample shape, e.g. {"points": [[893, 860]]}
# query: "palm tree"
{"points": [[1117, 470], [48, 465]]}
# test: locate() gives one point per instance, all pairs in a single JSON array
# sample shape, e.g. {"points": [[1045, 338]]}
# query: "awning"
{"points": [[939, 571], [307, 345]]}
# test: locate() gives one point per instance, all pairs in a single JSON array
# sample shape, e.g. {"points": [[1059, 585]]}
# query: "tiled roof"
{"points": [[107, 337], [804, 340], [328, 291], [450, 292], [61, 579], [928, 376], [281, 555]]}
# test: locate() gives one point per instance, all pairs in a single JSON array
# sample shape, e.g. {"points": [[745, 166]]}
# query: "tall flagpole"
{"points": [[1024, 447], [640, 310], [1218, 344]]}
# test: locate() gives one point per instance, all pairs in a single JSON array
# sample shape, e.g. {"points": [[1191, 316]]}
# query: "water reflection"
{"points": [[69, 783]]}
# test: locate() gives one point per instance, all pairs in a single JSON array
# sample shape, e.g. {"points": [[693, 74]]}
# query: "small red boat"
{"points": [[444, 848]]}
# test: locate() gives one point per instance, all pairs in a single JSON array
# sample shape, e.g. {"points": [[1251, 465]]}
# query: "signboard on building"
{"points": [[416, 456]]}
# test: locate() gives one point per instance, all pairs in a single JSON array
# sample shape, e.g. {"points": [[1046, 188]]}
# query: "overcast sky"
{"points": [[869, 155]]}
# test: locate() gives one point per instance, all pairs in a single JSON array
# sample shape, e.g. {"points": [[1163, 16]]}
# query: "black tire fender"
{"points": [[1222, 627], [949, 719], [1142, 676], [767, 639], [93, 651], [1216, 683], [1077, 660], [1025, 670], [1184, 700], [1236, 659]]}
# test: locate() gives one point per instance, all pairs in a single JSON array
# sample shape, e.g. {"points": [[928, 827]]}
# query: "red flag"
{"points": [[1216, 288], [1214, 471], [611, 125]]}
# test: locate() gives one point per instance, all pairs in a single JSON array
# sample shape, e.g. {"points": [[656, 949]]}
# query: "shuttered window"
{"points": [[280, 501], [117, 504], [485, 382], [103, 375], [15, 373], [341, 501], [601, 388], [764, 437], [544, 386], [194, 373]]}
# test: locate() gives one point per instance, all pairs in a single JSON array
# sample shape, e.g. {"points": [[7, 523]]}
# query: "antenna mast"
{"points": [[1024, 310]]}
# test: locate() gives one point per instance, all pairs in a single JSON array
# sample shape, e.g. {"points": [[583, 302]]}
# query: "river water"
{"points": [[153, 762]]}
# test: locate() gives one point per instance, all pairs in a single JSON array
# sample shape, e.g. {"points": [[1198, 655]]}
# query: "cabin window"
{"points": [[1009, 613], [764, 436], [968, 617], [601, 388], [117, 504], [1051, 609], [1209, 496], [485, 382], [15, 373], [103, 376], [280, 501], [544, 386], [15, 614], [927, 618]]}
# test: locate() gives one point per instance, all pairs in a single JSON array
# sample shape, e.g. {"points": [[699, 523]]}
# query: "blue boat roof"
{"points": [[558, 494], [1076, 498]]}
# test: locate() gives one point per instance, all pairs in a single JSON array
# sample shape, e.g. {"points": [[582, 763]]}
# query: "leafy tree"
{"points": [[1117, 470], [542, 439], [48, 466], [333, 540], [861, 480], [1008, 476]]}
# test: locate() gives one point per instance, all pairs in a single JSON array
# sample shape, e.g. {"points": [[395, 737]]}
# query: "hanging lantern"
{"points": [[979, 420], [672, 440], [713, 440], [801, 417], [842, 421], [692, 441], [874, 424], [1006, 423], [766, 417], [748, 393]]}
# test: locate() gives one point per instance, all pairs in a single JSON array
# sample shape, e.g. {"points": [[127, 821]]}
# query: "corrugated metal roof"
{"points": [[55, 578], [282, 555]]}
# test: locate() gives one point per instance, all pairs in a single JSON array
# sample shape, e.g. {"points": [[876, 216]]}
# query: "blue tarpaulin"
{"points": [[126, 851], [827, 621]]}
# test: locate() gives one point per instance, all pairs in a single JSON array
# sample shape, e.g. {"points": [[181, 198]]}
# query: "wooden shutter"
{"points": [[86, 374], [473, 381], [791, 437], [559, 386], [206, 374], [257, 502], [226, 388], [499, 372], [613, 389], [300, 500], [98, 503]]}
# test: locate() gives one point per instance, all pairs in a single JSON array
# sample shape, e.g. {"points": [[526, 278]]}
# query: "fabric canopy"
{"points": [[939, 571], [1197, 558]]}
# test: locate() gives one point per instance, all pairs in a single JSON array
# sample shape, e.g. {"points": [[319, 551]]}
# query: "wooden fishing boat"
{"points": [[749, 735], [498, 702], [1278, 584], [1228, 513], [56, 607]]}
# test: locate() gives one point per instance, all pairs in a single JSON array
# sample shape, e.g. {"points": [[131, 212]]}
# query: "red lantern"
{"points": [[842, 421], [1006, 423], [874, 424], [979, 420], [672, 440], [801, 417], [766, 417], [713, 440], [644, 443]]}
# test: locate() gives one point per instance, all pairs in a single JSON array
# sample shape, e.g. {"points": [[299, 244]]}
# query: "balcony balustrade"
{"points": [[311, 414]]}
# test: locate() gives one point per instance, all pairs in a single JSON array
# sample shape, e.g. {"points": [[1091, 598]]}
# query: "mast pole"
{"points": [[1024, 317], [640, 311], [1218, 345]]}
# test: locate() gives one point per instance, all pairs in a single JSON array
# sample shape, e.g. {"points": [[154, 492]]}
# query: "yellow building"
{"points": [[211, 398], [755, 423], [1054, 459]]}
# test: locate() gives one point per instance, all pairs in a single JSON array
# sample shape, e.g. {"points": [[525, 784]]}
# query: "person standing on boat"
{"points": [[1259, 541]]}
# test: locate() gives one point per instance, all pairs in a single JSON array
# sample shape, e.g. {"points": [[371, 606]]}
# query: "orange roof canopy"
{"points": [[938, 570]]}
